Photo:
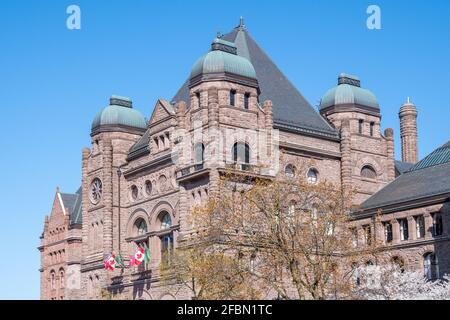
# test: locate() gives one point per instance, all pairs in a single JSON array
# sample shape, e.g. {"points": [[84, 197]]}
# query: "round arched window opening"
{"points": [[431, 266], [241, 153], [148, 187], [289, 171], [134, 192], [199, 153], [312, 176], [96, 191], [398, 263], [141, 227], [368, 172], [166, 221]]}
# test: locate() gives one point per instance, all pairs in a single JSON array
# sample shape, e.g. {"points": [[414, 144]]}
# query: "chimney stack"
{"points": [[408, 132]]}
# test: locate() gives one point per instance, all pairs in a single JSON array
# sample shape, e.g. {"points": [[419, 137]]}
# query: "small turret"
{"points": [[408, 132]]}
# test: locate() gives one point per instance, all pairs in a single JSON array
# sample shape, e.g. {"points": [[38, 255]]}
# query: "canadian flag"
{"points": [[110, 263], [139, 256]]}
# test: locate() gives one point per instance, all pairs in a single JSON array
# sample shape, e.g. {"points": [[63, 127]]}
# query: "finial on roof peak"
{"points": [[241, 23], [408, 102]]}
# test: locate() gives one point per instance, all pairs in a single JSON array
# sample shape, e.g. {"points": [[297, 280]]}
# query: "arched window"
{"points": [[148, 187], [134, 192], [397, 261], [241, 153], [141, 227], [368, 172], [233, 97], [166, 221], [52, 279], [61, 278], [360, 126], [199, 155], [167, 238], [246, 100], [289, 171], [312, 176], [431, 266]]}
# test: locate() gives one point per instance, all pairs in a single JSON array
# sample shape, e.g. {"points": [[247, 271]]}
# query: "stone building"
{"points": [[236, 112], [61, 248]]}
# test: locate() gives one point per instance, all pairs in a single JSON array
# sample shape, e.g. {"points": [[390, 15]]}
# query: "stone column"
{"points": [[408, 132], [107, 196], [85, 204], [346, 156], [428, 219], [395, 231], [268, 110], [389, 134], [412, 228]]}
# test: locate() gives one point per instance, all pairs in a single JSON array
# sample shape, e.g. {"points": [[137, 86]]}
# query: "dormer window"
{"points": [[246, 100], [232, 97]]}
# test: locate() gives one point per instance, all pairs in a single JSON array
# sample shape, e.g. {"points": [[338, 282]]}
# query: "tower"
{"points": [[114, 131], [367, 157], [408, 132]]}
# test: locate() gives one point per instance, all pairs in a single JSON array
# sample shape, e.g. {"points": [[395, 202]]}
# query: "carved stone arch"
{"points": [[368, 161], [398, 258], [163, 206], [167, 296], [135, 216], [236, 137]]}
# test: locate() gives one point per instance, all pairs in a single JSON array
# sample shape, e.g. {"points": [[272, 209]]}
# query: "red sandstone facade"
{"points": [[151, 178]]}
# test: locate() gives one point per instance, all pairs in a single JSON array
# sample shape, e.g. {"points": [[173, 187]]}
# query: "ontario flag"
{"points": [[110, 262], [138, 257]]}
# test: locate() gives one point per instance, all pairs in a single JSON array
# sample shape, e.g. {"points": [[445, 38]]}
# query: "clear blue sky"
{"points": [[53, 81]]}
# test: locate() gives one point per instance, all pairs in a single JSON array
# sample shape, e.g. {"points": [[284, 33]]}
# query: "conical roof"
{"points": [[291, 111]]}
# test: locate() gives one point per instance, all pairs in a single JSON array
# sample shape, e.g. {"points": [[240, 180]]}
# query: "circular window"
{"points": [[148, 187], [289, 171], [312, 176], [96, 191], [134, 192]]}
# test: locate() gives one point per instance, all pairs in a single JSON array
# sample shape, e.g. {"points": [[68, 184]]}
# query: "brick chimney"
{"points": [[408, 132]]}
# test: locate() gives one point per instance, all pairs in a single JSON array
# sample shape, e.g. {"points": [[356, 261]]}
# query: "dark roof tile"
{"points": [[290, 108]]}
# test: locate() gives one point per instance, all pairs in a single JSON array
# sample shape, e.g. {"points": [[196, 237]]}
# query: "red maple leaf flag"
{"points": [[139, 256], [110, 263]]}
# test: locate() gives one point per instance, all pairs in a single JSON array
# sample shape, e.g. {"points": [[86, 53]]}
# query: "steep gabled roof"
{"points": [[429, 177], [290, 109], [72, 201]]}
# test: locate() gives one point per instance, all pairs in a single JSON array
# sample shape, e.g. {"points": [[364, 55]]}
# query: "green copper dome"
{"points": [[221, 59], [348, 91], [119, 113]]}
